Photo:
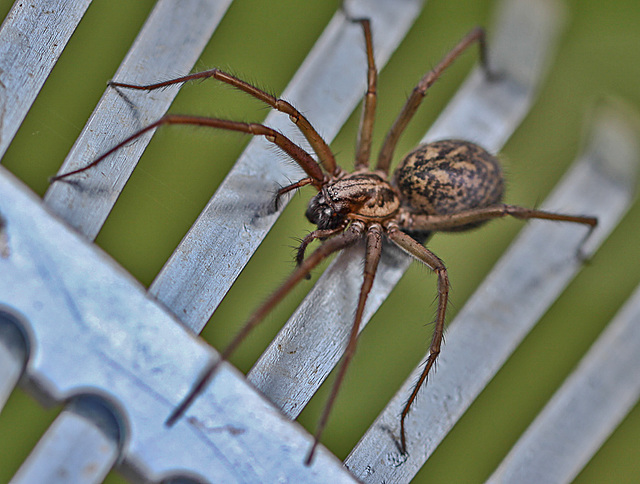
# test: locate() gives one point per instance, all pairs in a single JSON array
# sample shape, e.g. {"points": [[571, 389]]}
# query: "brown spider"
{"points": [[448, 185]]}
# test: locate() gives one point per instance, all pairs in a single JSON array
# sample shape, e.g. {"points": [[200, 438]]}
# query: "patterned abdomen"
{"points": [[447, 177]]}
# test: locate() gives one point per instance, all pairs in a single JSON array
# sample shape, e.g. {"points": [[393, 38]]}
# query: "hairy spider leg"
{"points": [[420, 91], [446, 222], [367, 118], [316, 234], [371, 260], [299, 155], [419, 252], [339, 242], [294, 186], [319, 145], [424, 222]]}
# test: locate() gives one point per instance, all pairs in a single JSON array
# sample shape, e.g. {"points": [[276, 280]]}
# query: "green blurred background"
{"points": [[265, 42]]}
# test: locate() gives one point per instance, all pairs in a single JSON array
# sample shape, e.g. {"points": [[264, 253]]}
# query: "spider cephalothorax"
{"points": [[362, 195], [448, 185]]}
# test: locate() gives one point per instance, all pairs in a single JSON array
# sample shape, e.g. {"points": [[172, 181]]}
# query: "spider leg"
{"points": [[294, 186], [317, 143], [367, 119], [350, 236], [372, 258], [304, 159], [419, 92], [316, 234], [424, 255], [478, 215]]}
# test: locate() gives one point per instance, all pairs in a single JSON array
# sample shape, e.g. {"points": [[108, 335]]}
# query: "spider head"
{"points": [[326, 213], [358, 196]]}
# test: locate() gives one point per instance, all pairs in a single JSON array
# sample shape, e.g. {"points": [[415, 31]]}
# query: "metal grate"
{"points": [[93, 338]]}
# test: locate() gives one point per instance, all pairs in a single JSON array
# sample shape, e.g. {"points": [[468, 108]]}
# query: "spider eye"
{"points": [[320, 213]]}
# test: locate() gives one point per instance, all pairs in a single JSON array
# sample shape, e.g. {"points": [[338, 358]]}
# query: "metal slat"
{"points": [[80, 447], [173, 30], [13, 351], [170, 42], [98, 331], [526, 280], [585, 411], [603, 388], [32, 37], [458, 121]]}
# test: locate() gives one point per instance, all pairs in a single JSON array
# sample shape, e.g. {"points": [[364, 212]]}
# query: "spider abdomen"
{"points": [[447, 177]]}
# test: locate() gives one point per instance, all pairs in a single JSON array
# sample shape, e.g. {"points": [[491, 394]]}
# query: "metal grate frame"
{"points": [[75, 305]]}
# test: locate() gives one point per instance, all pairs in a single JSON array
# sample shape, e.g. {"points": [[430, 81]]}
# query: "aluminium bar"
{"points": [[598, 394], [13, 352], [32, 37], [80, 447], [170, 42], [585, 410], [98, 332]]}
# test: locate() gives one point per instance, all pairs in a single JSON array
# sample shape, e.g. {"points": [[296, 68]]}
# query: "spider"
{"points": [[447, 185]]}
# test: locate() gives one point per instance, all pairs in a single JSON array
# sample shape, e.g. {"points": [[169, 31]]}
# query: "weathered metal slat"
{"points": [[32, 37], [170, 42], [95, 332]]}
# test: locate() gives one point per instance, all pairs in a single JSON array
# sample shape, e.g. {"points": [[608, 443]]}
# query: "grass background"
{"points": [[265, 42]]}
